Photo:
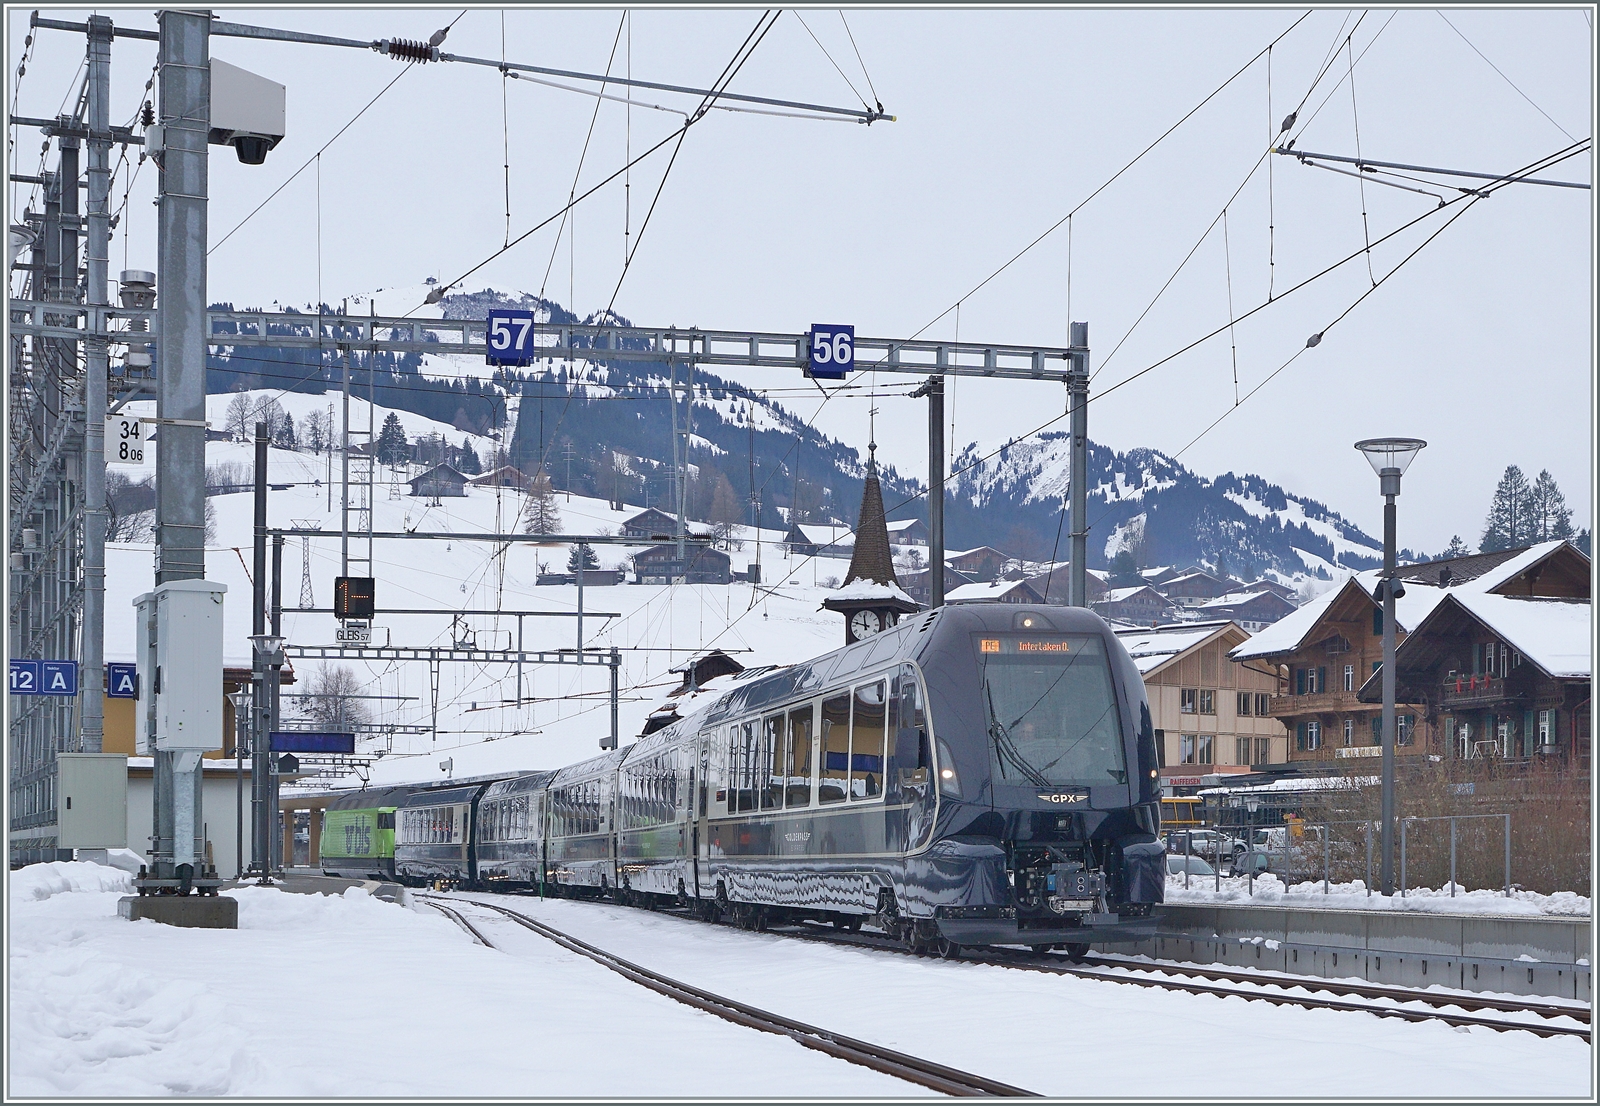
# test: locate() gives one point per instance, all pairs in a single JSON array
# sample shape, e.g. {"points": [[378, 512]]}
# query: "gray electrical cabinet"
{"points": [[91, 801]]}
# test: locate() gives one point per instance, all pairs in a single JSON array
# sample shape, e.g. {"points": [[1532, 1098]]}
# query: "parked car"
{"points": [[1196, 866], [1213, 844]]}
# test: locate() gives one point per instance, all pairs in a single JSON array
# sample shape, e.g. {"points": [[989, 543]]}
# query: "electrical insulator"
{"points": [[409, 50], [147, 115]]}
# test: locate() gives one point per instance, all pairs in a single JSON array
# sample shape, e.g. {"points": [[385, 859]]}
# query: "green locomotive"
{"points": [[358, 833]]}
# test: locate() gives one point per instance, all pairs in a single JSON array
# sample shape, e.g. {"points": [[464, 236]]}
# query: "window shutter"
{"points": [[1322, 679], [1300, 736], [1299, 681]]}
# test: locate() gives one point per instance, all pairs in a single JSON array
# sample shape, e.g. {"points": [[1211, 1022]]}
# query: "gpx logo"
{"points": [[1064, 797]]}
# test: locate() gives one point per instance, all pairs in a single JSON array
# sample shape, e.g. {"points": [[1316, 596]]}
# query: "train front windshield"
{"points": [[1051, 709]]}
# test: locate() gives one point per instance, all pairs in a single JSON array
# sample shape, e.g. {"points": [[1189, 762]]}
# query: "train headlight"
{"points": [[949, 779]]}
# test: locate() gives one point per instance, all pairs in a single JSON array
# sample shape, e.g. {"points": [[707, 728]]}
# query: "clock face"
{"points": [[864, 624]]}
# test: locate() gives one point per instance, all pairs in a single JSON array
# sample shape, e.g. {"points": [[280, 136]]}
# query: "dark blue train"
{"points": [[975, 775]]}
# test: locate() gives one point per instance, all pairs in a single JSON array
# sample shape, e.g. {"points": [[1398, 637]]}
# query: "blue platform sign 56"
{"points": [[832, 351], [508, 338], [122, 681], [44, 677]]}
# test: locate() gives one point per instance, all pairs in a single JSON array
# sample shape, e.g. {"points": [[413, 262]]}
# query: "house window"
{"points": [[1547, 727], [1349, 727], [1310, 681], [1502, 736], [1204, 744], [1245, 703], [1313, 735], [1349, 677], [1504, 668], [1263, 704], [1403, 728], [1186, 748], [1263, 751], [1187, 700], [1208, 702], [1242, 750]]}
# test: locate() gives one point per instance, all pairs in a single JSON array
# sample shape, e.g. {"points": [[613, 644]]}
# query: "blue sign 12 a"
{"points": [[44, 677], [508, 338], [122, 681], [832, 351]]}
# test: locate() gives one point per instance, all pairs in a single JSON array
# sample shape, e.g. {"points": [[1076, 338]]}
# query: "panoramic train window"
{"points": [[1051, 708], [797, 776], [866, 742], [835, 766], [773, 747]]}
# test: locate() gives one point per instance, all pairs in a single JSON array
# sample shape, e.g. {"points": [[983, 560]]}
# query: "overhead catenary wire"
{"points": [[1355, 119], [1324, 101], [863, 64], [1505, 78], [831, 62]]}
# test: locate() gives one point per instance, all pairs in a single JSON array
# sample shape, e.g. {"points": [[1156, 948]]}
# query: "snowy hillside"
{"points": [[1144, 502]]}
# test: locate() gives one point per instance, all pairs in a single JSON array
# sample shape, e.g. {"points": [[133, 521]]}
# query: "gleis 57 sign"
{"points": [[508, 338]]}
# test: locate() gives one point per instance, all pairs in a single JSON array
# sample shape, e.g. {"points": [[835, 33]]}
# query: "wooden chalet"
{"points": [[651, 524], [1500, 676], [995, 591], [1254, 610], [1329, 648], [441, 480], [908, 531], [506, 476], [660, 565], [1194, 588], [820, 539], [1139, 605], [983, 564]]}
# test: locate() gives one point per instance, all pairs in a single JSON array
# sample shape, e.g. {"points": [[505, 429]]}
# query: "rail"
{"points": [[912, 1069]]}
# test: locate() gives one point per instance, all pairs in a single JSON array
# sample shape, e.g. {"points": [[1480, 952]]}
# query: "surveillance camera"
{"points": [[247, 111], [251, 148]]}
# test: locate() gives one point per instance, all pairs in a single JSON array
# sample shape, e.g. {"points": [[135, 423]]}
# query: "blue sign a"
{"points": [[508, 338], [122, 681], [24, 677], [58, 678], [832, 352]]}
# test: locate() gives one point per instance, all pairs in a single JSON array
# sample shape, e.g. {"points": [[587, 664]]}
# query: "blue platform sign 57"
{"points": [[832, 351], [24, 677], [508, 338]]}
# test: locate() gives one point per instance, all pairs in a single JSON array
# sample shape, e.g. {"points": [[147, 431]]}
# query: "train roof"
{"points": [[584, 769], [530, 781], [443, 796], [375, 798]]}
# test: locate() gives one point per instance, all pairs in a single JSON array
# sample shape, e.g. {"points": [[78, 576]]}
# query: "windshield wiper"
{"points": [[1005, 748]]}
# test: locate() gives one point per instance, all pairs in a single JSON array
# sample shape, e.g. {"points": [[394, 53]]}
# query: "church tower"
{"points": [[871, 599]]}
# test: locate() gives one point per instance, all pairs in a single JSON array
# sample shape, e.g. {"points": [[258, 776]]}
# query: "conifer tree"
{"points": [[540, 515], [1456, 548], [391, 441], [582, 556], [1549, 516], [1508, 524]]}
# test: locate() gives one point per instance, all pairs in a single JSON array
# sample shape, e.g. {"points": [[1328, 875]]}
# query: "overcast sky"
{"points": [[1007, 120]]}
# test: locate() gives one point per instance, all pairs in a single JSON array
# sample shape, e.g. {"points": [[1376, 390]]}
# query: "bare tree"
{"points": [[331, 699]]}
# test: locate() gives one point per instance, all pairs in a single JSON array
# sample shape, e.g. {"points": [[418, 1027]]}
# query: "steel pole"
{"points": [[184, 82], [1388, 679], [274, 684], [259, 833], [96, 366], [935, 393], [1078, 391]]}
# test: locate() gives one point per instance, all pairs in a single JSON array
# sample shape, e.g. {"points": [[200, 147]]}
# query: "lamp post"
{"points": [[241, 728], [1389, 457], [263, 806]]}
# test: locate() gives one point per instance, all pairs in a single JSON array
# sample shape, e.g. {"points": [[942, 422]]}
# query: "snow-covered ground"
{"points": [[1269, 890], [321, 996], [317, 996]]}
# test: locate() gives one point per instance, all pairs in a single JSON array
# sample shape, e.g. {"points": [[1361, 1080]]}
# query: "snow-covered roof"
{"points": [[867, 589], [903, 524], [1234, 598], [819, 534], [970, 593], [1117, 595], [1555, 634], [1151, 647]]}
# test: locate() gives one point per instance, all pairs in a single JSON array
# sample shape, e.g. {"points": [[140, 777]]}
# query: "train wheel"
{"points": [[1077, 951], [945, 949]]}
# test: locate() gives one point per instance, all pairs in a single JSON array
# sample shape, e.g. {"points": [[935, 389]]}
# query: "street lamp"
{"points": [[263, 797], [1389, 457], [241, 726]]}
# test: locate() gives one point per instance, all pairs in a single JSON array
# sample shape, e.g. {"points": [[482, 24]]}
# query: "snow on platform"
{"points": [[318, 996], [1269, 890]]}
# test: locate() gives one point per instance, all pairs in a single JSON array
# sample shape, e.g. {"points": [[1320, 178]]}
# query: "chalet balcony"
{"points": [[1470, 691], [1323, 702]]}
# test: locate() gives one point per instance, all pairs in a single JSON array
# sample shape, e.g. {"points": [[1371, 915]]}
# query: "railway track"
{"points": [[912, 1069], [1114, 971]]}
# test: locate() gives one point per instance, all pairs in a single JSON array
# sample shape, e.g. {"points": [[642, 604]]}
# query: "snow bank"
{"points": [[40, 881], [1272, 891]]}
